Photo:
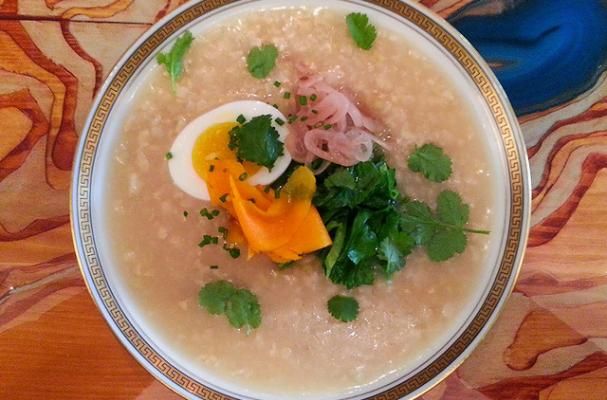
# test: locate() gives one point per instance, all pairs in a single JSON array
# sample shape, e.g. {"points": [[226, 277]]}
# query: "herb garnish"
{"points": [[261, 60], [208, 239], [431, 161], [286, 95], [233, 251], [240, 306], [442, 233], [302, 100], [168, 155], [361, 30], [343, 308], [173, 60], [209, 215], [374, 228], [277, 83], [223, 198], [241, 119], [257, 141]]}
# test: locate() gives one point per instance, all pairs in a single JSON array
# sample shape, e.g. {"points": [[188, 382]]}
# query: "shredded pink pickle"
{"points": [[349, 139]]}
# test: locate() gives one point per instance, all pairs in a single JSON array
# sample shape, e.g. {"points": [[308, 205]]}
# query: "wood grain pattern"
{"points": [[549, 344]]}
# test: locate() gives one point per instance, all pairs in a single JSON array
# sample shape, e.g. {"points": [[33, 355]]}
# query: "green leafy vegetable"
{"points": [[343, 308], [431, 161], [173, 60], [240, 306], [257, 141], [360, 207], [442, 233], [374, 228], [363, 33], [261, 60]]}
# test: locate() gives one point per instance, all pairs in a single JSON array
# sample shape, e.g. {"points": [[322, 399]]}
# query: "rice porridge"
{"points": [[299, 348]]}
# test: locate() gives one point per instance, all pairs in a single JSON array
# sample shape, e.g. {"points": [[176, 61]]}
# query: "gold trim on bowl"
{"points": [[511, 257]]}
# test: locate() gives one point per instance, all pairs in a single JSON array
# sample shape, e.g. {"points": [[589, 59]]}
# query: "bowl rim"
{"points": [[449, 39]]}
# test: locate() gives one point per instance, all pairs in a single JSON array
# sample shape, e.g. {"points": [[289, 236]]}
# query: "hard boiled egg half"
{"points": [[206, 138]]}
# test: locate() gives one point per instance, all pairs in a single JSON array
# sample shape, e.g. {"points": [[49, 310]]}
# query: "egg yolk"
{"points": [[213, 144]]}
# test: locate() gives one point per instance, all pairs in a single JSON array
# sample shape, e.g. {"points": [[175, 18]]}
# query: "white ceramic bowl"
{"points": [[438, 41]]}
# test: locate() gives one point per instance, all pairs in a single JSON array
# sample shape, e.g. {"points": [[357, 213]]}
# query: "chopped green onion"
{"points": [[243, 176], [327, 126], [279, 121], [314, 111], [304, 118], [277, 83], [286, 95], [168, 155], [207, 239], [185, 214], [223, 198], [241, 119], [292, 118], [234, 251], [275, 106], [313, 97], [210, 215], [303, 100]]}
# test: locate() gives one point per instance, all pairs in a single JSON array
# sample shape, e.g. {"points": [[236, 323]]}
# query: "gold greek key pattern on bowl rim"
{"points": [[81, 206]]}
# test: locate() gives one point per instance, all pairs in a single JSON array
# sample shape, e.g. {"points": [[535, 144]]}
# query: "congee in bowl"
{"points": [[301, 202]]}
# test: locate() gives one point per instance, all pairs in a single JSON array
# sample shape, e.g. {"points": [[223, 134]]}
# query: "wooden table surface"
{"points": [[549, 343]]}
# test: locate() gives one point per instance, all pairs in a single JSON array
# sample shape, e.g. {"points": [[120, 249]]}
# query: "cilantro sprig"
{"points": [[261, 60], [431, 161], [363, 33], [240, 306], [343, 308], [374, 228], [360, 208], [257, 141], [173, 59], [442, 232]]}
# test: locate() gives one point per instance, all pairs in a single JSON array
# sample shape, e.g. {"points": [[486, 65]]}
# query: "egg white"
{"points": [[181, 167]]}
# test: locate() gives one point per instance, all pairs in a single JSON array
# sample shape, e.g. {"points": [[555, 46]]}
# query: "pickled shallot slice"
{"points": [[329, 126]]}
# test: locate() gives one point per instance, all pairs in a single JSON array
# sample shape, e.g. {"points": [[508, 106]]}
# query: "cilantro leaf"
{"points": [[243, 309], [215, 295], [341, 179], [240, 306], [393, 249], [446, 243], [451, 209], [361, 30], [261, 60], [363, 241], [257, 141], [431, 161], [442, 233], [173, 59], [343, 308]]}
